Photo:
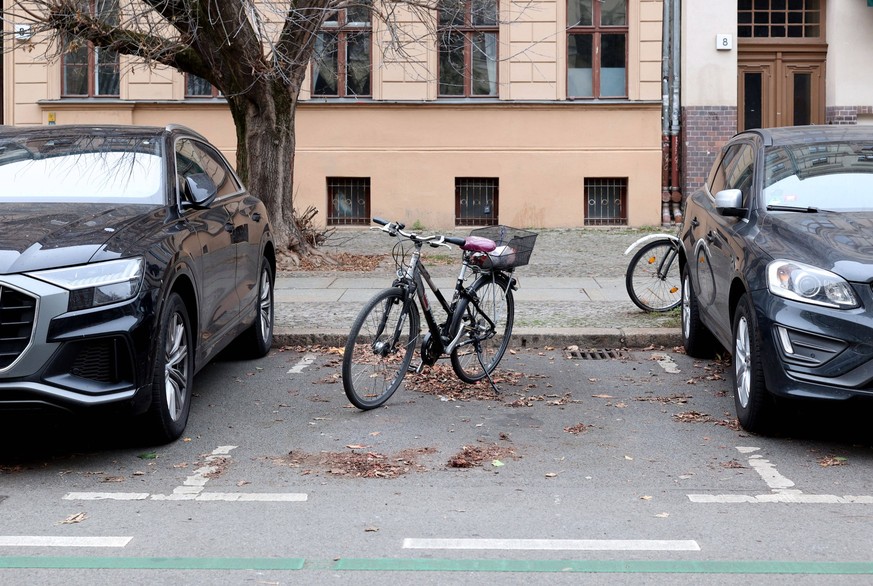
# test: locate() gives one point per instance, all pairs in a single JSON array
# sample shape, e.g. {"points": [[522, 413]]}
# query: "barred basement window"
{"points": [[476, 201], [348, 201], [606, 201]]}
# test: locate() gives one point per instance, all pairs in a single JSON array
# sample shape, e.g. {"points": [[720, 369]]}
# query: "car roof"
{"points": [[793, 135], [95, 129]]}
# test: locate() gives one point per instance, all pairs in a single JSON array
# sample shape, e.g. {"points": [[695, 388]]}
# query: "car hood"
{"points": [[43, 236], [839, 242]]}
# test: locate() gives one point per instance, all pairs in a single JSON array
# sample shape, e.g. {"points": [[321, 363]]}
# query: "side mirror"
{"points": [[729, 202], [201, 190]]}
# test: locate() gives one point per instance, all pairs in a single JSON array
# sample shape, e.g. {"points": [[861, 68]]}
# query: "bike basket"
{"points": [[514, 246]]}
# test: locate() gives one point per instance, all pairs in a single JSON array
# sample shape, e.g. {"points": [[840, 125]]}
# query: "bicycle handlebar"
{"points": [[395, 228]]}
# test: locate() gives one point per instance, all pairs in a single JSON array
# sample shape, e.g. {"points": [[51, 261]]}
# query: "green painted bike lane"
{"points": [[442, 565]]}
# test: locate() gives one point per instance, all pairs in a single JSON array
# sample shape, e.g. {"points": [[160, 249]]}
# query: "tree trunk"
{"points": [[264, 120]]}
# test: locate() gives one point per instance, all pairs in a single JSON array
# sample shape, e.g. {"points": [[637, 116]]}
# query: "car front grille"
{"points": [[17, 313]]}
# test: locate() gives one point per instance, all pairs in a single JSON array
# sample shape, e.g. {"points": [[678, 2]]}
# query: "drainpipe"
{"points": [[675, 119], [666, 25]]}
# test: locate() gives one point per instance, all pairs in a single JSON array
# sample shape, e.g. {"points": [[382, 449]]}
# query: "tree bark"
{"points": [[264, 119]]}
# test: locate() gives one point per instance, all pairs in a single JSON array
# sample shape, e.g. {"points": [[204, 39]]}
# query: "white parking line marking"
{"points": [[106, 496], [192, 488], [61, 541], [781, 490], [667, 363], [555, 544], [303, 363]]}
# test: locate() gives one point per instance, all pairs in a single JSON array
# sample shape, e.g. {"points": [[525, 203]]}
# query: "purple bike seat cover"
{"points": [[479, 244]]}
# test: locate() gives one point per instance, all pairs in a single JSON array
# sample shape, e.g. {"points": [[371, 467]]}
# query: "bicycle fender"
{"points": [[649, 238]]}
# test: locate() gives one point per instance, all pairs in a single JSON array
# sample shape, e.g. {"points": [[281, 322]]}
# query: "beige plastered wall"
{"points": [[709, 76], [850, 45], [540, 146]]}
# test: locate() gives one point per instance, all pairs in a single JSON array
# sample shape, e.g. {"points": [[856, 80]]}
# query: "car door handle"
{"points": [[256, 216], [710, 237], [694, 223], [228, 227]]}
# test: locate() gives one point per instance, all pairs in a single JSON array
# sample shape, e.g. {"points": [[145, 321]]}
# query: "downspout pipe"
{"points": [[666, 25], [675, 117]]}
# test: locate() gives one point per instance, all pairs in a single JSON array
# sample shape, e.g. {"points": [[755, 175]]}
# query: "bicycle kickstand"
{"points": [[478, 348]]}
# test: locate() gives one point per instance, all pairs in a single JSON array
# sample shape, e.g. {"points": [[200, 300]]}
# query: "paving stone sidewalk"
{"points": [[572, 292]]}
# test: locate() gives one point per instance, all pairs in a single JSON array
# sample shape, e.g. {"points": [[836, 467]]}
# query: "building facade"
{"points": [[547, 113], [750, 63]]}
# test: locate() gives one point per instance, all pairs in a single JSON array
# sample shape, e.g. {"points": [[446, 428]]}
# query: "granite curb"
{"points": [[586, 338]]}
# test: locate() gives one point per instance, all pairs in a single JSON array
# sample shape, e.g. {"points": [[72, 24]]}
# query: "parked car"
{"points": [[777, 266], [129, 257]]}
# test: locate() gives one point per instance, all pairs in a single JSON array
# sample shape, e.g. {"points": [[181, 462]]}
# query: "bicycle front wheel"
{"points": [[379, 349], [486, 321], [653, 280]]}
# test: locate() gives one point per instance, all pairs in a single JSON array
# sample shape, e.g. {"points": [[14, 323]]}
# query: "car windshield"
{"points": [[81, 168], [835, 176]]}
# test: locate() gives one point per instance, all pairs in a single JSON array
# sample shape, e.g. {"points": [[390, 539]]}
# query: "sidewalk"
{"points": [[572, 292]]}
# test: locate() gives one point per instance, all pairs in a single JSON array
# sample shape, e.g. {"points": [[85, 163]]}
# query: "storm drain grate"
{"points": [[605, 354]]}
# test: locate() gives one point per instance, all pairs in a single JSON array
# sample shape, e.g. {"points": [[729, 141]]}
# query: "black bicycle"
{"points": [[479, 316]]}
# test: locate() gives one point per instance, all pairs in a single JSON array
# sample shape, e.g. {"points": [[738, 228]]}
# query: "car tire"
{"points": [[696, 337], [754, 403], [172, 373], [257, 340]]}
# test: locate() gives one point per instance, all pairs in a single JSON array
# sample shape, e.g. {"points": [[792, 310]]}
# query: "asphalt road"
{"points": [[625, 469]]}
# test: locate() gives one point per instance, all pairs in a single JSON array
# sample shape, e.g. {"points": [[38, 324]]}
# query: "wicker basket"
{"points": [[514, 245]]}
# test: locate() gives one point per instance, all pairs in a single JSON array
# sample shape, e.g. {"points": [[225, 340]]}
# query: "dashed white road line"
{"points": [[192, 488], [781, 490], [303, 363], [61, 541], [554, 544]]}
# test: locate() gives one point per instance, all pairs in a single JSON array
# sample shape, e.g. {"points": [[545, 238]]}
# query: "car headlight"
{"points": [[99, 283], [802, 282]]}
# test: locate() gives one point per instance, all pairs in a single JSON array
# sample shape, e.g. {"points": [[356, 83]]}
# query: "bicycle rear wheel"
{"points": [[487, 323], [379, 349], [653, 281]]}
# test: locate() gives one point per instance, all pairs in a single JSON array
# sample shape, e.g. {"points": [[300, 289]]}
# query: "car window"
{"points": [[810, 175], [718, 178], [741, 172], [193, 158], [82, 168]]}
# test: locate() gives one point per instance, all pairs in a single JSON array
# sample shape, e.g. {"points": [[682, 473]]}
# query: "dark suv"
{"points": [[129, 257], [777, 266]]}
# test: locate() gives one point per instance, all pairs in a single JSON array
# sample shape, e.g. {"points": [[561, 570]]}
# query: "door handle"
{"points": [[228, 227], [256, 216], [694, 223], [710, 237]]}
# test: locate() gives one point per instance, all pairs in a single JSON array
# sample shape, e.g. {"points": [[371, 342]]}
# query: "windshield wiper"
{"points": [[802, 210]]}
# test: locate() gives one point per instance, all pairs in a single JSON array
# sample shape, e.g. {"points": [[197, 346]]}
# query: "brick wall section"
{"points": [[705, 129], [846, 114]]}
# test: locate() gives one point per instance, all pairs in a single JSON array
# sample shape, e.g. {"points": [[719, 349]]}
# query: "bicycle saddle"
{"points": [[478, 244]]}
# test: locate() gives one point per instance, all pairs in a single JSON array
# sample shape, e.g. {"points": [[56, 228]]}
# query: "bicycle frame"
{"points": [[413, 281]]}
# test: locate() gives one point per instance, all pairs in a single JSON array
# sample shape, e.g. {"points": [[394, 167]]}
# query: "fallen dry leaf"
{"points": [[829, 461], [77, 518]]}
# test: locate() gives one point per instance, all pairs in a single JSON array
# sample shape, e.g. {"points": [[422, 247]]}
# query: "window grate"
{"points": [[348, 201], [476, 201], [606, 202]]}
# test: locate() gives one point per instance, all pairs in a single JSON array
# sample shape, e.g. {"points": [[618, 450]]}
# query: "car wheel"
{"points": [[258, 339], [754, 404], [696, 337], [172, 373]]}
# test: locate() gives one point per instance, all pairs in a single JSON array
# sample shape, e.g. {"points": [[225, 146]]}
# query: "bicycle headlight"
{"points": [[96, 284], [802, 282]]}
